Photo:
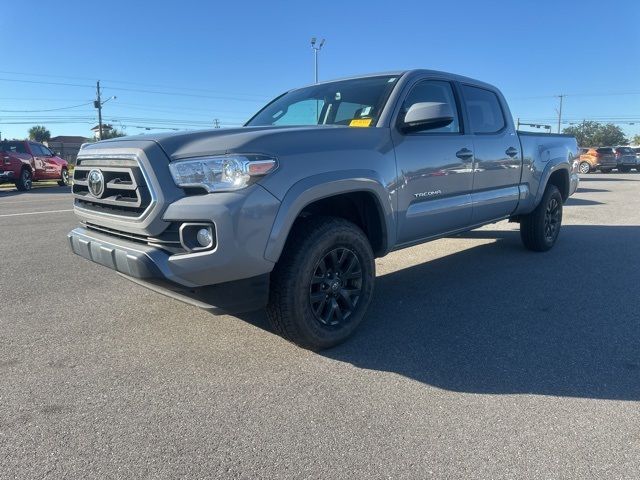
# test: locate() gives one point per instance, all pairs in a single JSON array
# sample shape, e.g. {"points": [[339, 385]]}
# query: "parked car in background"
{"points": [[602, 158], [626, 159], [23, 162]]}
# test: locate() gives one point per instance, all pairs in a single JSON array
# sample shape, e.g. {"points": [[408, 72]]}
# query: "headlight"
{"points": [[221, 173]]}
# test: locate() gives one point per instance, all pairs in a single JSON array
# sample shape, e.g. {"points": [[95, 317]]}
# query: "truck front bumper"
{"points": [[149, 267], [231, 276]]}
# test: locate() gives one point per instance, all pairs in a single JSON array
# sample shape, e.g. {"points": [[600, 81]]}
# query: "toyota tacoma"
{"points": [[289, 211]]}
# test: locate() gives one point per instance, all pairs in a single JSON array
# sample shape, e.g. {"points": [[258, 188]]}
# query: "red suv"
{"points": [[22, 162]]}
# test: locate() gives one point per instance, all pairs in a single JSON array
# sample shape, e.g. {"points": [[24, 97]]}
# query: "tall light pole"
{"points": [[561, 97], [316, 48]]}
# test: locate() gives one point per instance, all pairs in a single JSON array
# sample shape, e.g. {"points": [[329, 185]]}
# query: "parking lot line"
{"points": [[42, 200], [35, 213]]}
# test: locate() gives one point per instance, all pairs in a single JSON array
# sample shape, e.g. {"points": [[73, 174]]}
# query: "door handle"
{"points": [[512, 152], [464, 154]]}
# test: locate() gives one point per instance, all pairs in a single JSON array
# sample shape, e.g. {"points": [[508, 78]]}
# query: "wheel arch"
{"points": [[556, 173], [560, 178], [356, 195]]}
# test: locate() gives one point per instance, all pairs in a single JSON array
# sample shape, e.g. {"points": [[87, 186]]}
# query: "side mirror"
{"points": [[427, 116]]}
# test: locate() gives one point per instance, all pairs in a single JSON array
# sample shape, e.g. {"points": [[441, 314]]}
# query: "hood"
{"points": [[269, 140]]}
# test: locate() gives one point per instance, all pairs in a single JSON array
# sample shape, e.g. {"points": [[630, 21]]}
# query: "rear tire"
{"points": [[64, 178], [322, 284], [585, 168], [539, 229], [25, 181]]}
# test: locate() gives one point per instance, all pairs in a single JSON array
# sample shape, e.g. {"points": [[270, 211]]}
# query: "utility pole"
{"points": [[561, 96], [316, 49], [216, 123], [98, 104]]}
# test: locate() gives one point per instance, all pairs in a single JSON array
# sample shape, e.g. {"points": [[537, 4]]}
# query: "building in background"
{"points": [[106, 128], [66, 146]]}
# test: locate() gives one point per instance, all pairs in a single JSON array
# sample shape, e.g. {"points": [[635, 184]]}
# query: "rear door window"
{"points": [[483, 107]]}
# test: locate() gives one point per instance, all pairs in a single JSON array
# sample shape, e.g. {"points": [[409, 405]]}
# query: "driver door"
{"points": [[435, 169], [39, 160], [52, 168]]}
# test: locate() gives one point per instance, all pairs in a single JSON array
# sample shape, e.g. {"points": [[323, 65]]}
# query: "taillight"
{"points": [[618, 154], [598, 154], [7, 160]]}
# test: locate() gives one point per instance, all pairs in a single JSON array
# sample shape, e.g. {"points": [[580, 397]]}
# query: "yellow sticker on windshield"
{"points": [[360, 122]]}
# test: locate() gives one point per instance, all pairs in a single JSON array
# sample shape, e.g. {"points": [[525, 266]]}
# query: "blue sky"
{"points": [[224, 59]]}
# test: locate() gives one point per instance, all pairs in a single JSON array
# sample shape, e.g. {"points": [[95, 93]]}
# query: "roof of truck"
{"points": [[413, 71]]}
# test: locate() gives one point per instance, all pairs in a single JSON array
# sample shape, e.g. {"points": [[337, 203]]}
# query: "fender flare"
{"points": [[317, 187], [553, 166]]}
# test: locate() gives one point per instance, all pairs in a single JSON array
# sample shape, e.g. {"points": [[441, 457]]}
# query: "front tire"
{"points": [[539, 230], [64, 178], [624, 169], [322, 284], [25, 181], [605, 170]]}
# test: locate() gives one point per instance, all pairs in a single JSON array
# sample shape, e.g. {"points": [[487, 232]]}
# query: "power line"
{"points": [[600, 94], [47, 110], [135, 90], [44, 83], [166, 87]]}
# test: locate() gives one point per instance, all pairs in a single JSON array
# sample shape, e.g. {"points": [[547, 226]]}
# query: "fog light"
{"points": [[204, 237], [197, 236]]}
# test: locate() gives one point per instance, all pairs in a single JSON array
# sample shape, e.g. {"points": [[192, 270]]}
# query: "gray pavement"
{"points": [[478, 359]]}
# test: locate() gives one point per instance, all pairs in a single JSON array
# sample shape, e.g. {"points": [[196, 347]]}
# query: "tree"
{"points": [[114, 133], [635, 140], [39, 133], [595, 134], [109, 133]]}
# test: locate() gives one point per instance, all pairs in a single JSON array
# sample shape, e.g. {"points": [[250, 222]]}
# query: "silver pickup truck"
{"points": [[289, 211]]}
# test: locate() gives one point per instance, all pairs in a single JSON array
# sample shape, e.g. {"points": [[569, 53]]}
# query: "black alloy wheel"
{"points": [[336, 287], [552, 219]]}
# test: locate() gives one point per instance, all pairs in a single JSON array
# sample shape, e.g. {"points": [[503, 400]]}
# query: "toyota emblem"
{"points": [[95, 183]]}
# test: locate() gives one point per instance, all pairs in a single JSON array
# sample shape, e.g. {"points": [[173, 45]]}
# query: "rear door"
{"points": [[434, 168], [606, 157], [498, 160]]}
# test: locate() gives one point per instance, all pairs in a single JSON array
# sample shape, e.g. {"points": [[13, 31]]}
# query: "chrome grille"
{"points": [[126, 192]]}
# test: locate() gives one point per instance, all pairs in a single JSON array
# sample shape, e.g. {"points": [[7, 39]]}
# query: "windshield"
{"points": [[357, 103]]}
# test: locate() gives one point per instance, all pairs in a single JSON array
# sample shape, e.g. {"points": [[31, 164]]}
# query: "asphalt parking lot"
{"points": [[478, 359]]}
